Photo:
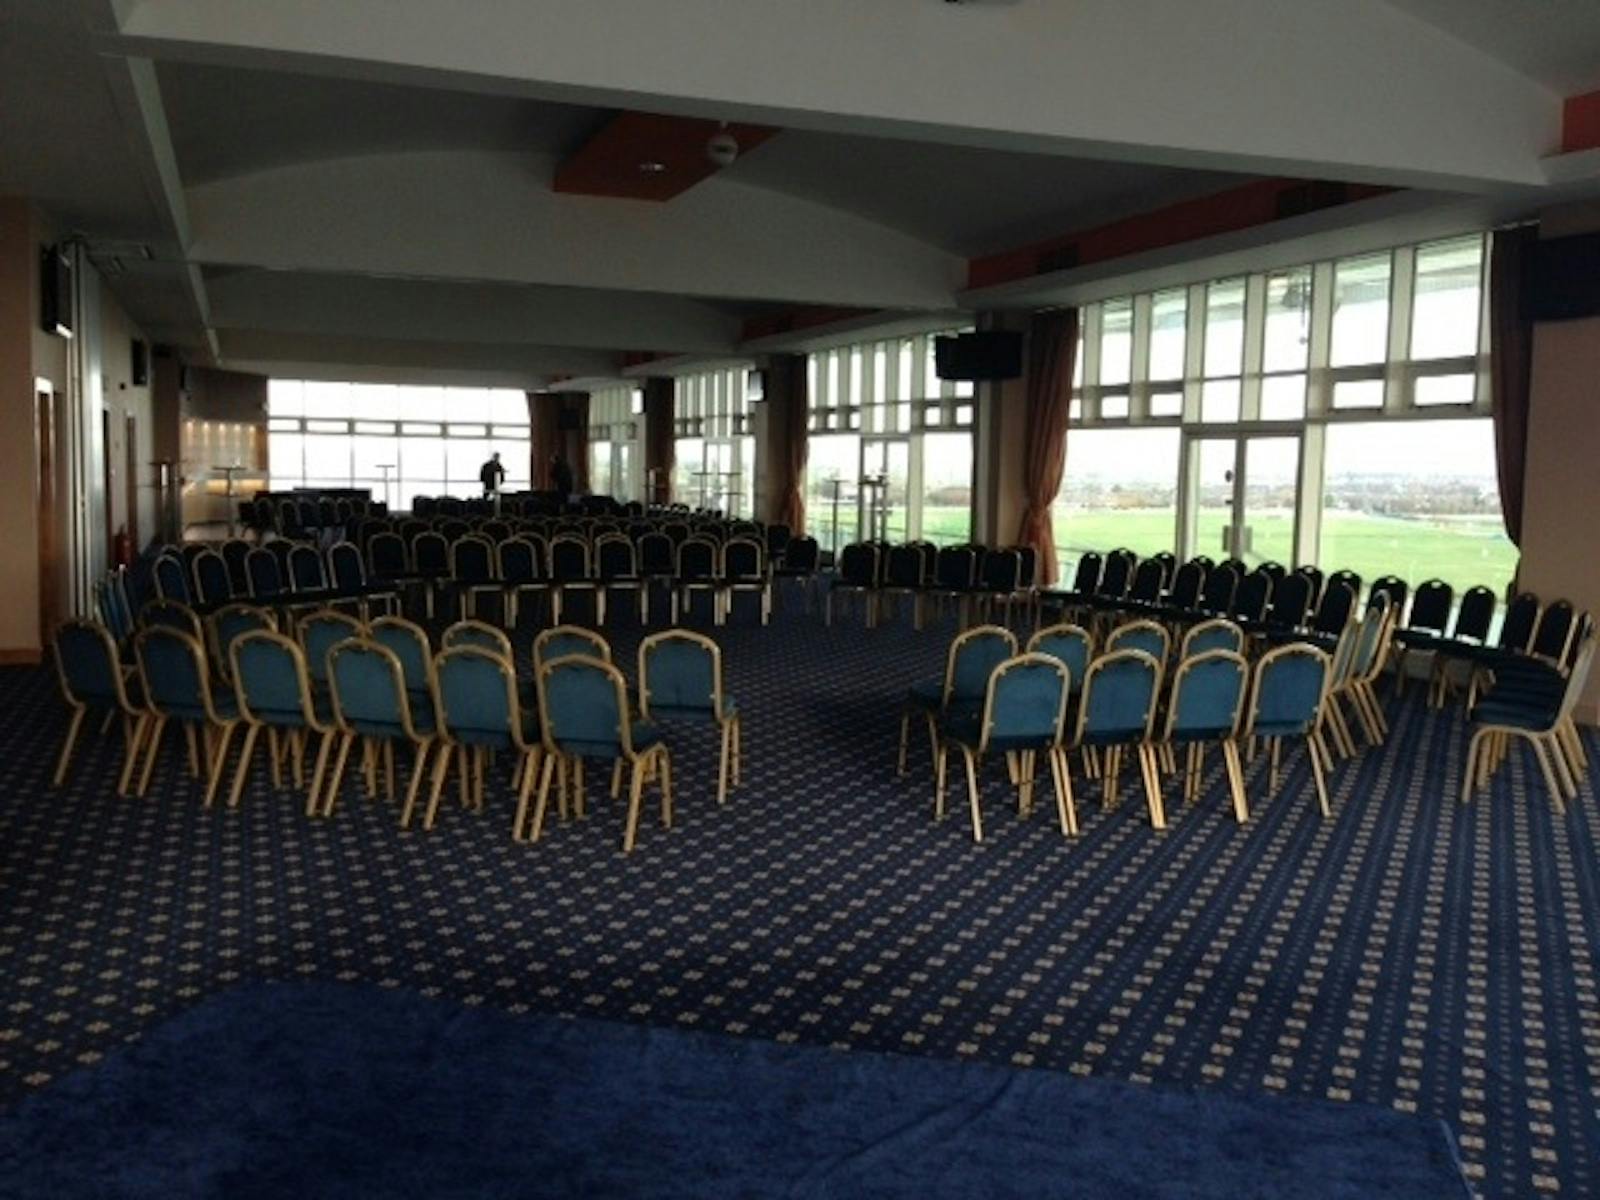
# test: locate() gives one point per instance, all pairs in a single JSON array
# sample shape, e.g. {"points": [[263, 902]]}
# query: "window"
{"points": [[613, 430], [715, 454], [1444, 308], [1360, 311], [1120, 489], [398, 441]]}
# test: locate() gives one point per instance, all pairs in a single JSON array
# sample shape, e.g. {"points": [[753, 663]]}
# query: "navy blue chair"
{"points": [[617, 570], [93, 684], [473, 574], [409, 643], [372, 704], [680, 678], [266, 576], [699, 569], [1287, 702], [213, 585], [565, 641], [320, 632], [234, 621], [971, 659], [172, 614], [1117, 711], [571, 573], [349, 580], [744, 569], [1023, 712], [171, 578], [524, 571], [176, 681], [1069, 643], [1205, 708], [480, 713]]}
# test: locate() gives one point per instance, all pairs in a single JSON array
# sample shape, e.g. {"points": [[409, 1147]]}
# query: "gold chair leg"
{"points": [[441, 770], [419, 768], [1235, 770], [722, 762], [939, 758], [1552, 784], [319, 771], [900, 764], [242, 772], [665, 784], [219, 760], [1315, 751], [635, 791], [141, 725], [273, 755], [972, 793], [1066, 808], [331, 792], [616, 779], [547, 768], [67, 745], [530, 765], [1152, 786]]}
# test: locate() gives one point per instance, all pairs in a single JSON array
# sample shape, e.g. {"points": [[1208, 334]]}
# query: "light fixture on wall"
{"points": [[636, 401], [723, 148]]}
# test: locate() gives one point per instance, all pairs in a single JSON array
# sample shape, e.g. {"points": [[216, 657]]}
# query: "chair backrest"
{"points": [[1148, 636], [1025, 702], [1208, 691], [171, 614], [569, 558], [1069, 643], [904, 567], [562, 641], [1028, 557], [776, 539], [802, 554], [1522, 616], [472, 559], [430, 551], [1289, 685], [955, 567], [1291, 601], [1206, 636], [743, 558], [320, 632], [972, 658], [1578, 676], [1002, 571], [172, 665], [1395, 588], [680, 671], [1554, 632], [87, 665], [1366, 655], [1430, 607], [271, 679], [111, 598], [475, 690], [1086, 576], [212, 582], [1217, 595], [1187, 583], [858, 565], [368, 686], [476, 633], [1272, 570], [305, 569], [615, 557], [265, 572], [171, 578], [234, 621], [1117, 573], [1252, 596], [1119, 699], [409, 644], [1475, 614], [386, 555], [234, 553], [658, 554], [1147, 581], [1333, 613], [583, 706], [345, 565], [1316, 578]]}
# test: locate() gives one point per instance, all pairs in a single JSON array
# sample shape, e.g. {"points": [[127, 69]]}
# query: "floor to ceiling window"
{"points": [[399, 441], [890, 445], [714, 452], [614, 458], [1335, 412]]}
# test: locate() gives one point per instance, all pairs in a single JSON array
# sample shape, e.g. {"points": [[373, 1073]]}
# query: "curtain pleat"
{"points": [[1510, 366], [660, 451], [1052, 343], [544, 436], [791, 385]]}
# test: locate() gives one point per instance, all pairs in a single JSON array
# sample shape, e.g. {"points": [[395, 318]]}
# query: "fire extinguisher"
{"points": [[122, 548]]}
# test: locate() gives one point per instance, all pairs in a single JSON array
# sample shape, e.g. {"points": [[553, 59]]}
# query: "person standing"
{"points": [[492, 475], [561, 477]]}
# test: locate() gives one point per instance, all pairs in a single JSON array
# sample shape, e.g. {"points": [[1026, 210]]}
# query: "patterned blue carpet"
{"points": [[1409, 952]]}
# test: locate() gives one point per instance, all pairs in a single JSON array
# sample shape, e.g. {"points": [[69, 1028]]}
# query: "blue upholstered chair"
{"points": [[584, 715], [1071, 644], [477, 634], [409, 643], [373, 705], [386, 557], [171, 578], [524, 571], [233, 621], [563, 641], [176, 680], [213, 585], [350, 581], [1118, 711], [473, 573], [1216, 634], [1206, 705], [1140, 635], [480, 713], [320, 632], [93, 684], [1287, 702], [116, 613], [617, 570], [680, 678], [172, 614], [430, 564], [274, 691], [1024, 709], [971, 659], [267, 582]]}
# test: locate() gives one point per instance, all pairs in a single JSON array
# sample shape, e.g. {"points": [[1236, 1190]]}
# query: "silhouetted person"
{"points": [[492, 474], [561, 476]]}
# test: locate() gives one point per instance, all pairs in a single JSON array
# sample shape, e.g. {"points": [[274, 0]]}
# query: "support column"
{"points": [[781, 437], [1000, 440], [660, 431]]}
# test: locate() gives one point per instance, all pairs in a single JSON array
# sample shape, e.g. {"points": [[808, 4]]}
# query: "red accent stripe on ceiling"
{"points": [[1256, 203], [638, 358], [1580, 123], [617, 161], [808, 317]]}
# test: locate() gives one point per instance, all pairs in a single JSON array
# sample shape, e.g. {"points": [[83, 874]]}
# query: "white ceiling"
{"points": [[365, 186]]}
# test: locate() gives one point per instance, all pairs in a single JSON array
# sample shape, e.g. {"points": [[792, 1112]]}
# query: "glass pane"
{"points": [[375, 427], [283, 424], [880, 372], [1416, 499], [1358, 393], [1445, 389], [1169, 314], [832, 464], [904, 390], [285, 398], [508, 406], [947, 488], [421, 459], [327, 399], [1271, 466], [327, 427], [1113, 408], [285, 462], [1224, 328], [1077, 354], [1120, 489], [1116, 342], [368, 452], [469, 404], [1288, 324], [424, 430], [600, 468], [373, 401], [1219, 400], [1360, 310], [421, 404], [1213, 509], [516, 457], [688, 462], [328, 458], [468, 431], [1166, 404], [1444, 312], [1283, 398]]}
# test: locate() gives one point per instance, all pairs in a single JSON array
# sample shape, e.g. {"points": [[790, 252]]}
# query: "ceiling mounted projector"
{"points": [[723, 148]]}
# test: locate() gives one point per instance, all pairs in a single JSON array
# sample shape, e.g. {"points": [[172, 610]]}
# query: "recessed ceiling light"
{"points": [[651, 166]]}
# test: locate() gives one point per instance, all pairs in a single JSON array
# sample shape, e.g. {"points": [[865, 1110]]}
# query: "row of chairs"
{"points": [[971, 577], [379, 686]]}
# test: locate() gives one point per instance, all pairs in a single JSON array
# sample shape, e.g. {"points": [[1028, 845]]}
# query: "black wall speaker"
{"points": [[1563, 278], [55, 291], [139, 363], [989, 354]]}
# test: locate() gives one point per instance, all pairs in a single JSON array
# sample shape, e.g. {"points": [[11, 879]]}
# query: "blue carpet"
{"points": [[1409, 952], [321, 1090]]}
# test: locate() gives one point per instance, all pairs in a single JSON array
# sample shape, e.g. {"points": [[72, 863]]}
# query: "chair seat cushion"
{"points": [[1272, 729], [1533, 717], [671, 712], [925, 694]]}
